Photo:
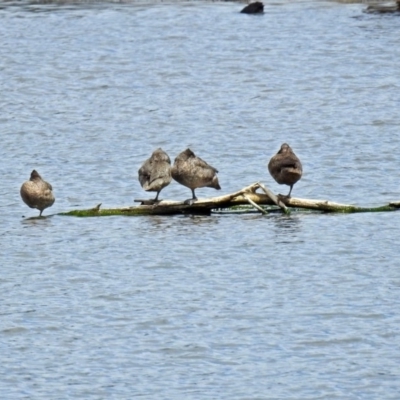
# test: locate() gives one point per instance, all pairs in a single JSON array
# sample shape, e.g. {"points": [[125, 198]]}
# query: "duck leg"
{"points": [[156, 199], [290, 191], [192, 200]]}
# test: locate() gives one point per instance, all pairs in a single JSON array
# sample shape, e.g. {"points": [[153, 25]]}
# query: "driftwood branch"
{"points": [[274, 198], [263, 202], [255, 205]]}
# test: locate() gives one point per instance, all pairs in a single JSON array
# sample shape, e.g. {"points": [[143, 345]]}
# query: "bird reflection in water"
{"points": [[160, 223], [287, 228]]}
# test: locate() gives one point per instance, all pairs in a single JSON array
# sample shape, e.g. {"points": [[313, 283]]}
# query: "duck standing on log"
{"points": [[285, 167], [193, 172], [155, 173], [37, 193], [254, 8]]}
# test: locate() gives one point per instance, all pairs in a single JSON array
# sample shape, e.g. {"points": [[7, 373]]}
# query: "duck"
{"points": [[155, 172], [193, 172], [37, 193], [256, 7], [285, 167]]}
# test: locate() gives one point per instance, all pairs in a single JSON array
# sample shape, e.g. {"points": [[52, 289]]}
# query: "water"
{"points": [[199, 307]]}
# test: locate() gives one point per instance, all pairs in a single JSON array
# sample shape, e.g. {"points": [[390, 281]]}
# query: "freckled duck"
{"points": [[193, 172], [37, 193], [285, 167], [155, 173]]}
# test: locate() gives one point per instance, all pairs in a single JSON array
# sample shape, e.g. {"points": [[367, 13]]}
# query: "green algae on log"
{"points": [[231, 202]]}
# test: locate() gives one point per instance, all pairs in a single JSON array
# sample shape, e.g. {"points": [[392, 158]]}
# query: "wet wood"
{"points": [[274, 198], [255, 205], [266, 201]]}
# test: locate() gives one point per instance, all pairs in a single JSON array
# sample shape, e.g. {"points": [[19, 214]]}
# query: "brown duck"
{"points": [[37, 193], [285, 167], [155, 173], [193, 172]]}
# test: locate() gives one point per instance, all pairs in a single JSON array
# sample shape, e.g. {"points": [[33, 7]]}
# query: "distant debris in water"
{"points": [[254, 8], [383, 7]]}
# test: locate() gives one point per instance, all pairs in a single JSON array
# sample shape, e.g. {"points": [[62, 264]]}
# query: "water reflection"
{"points": [[186, 223], [47, 5], [31, 221], [182, 224], [287, 227]]}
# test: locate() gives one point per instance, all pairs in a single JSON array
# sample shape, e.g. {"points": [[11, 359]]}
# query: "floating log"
{"points": [[244, 200]]}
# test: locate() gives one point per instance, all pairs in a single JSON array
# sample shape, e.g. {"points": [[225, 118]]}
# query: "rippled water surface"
{"points": [[199, 307]]}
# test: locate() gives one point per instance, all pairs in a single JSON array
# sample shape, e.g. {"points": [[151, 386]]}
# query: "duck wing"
{"points": [[160, 170], [199, 163], [144, 173], [151, 171], [290, 164]]}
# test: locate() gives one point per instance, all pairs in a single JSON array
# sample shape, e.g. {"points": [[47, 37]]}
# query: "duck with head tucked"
{"points": [[37, 193], [155, 173], [193, 172], [285, 167]]}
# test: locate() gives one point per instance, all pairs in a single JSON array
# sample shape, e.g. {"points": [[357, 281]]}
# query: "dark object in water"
{"points": [[193, 172], [155, 173], [254, 8], [382, 8], [37, 193], [285, 167]]}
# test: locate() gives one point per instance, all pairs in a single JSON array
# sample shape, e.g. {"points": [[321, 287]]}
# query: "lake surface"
{"points": [[199, 307]]}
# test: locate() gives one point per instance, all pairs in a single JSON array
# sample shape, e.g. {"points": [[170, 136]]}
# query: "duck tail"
{"points": [[215, 184]]}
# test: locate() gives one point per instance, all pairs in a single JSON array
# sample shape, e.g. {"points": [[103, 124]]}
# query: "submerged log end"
{"points": [[97, 208]]}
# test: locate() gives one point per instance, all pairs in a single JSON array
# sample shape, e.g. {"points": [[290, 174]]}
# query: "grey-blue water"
{"points": [[199, 307]]}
